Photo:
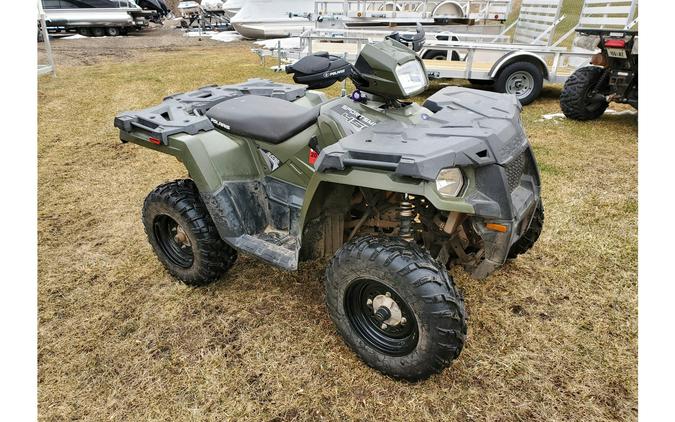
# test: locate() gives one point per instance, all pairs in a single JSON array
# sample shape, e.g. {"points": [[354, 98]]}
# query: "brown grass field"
{"points": [[552, 335]]}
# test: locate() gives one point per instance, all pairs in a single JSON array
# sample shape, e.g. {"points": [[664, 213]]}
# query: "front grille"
{"points": [[514, 171]]}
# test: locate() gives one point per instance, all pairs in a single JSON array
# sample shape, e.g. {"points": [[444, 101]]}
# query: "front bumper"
{"points": [[507, 196]]}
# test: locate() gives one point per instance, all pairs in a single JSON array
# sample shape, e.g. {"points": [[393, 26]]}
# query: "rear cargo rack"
{"points": [[184, 112]]}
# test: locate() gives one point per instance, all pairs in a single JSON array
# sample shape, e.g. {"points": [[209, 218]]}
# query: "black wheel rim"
{"points": [[395, 340], [167, 234]]}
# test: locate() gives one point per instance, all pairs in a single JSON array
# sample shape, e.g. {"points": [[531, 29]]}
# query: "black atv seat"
{"points": [[265, 118]]}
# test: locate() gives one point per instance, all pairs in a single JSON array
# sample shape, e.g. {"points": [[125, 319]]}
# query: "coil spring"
{"points": [[407, 214]]}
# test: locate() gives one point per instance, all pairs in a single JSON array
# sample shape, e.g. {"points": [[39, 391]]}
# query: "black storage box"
{"points": [[320, 70]]}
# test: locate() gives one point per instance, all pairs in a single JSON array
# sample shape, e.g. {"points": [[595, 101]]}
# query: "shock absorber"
{"points": [[407, 214]]}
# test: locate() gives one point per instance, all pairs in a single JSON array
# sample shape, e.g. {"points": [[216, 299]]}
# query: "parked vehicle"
{"points": [[612, 76], [231, 7], [158, 8], [208, 15], [371, 13], [393, 191], [94, 17], [186, 9], [261, 19]]}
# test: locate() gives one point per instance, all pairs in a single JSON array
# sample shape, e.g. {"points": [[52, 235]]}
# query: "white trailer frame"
{"points": [[422, 11], [50, 67]]}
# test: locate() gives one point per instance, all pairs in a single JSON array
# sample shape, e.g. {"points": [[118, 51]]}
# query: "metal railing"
{"points": [[49, 67]]}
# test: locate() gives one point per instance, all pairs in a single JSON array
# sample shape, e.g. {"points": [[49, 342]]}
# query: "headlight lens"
{"points": [[449, 182], [411, 76]]}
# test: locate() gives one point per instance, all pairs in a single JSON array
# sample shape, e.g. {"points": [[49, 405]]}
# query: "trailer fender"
{"points": [[518, 56], [448, 6]]}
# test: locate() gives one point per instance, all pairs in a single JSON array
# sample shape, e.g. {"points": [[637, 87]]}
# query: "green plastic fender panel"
{"points": [[384, 180]]}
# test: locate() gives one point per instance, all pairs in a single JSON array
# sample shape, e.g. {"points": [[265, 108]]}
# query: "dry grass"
{"points": [[552, 336]]}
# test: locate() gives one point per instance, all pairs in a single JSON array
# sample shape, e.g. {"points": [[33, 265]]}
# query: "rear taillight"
{"points": [[313, 155], [615, 43]]}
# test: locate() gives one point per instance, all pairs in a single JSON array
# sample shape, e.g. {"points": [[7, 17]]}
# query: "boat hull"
{"points": [[265, 30], [89, 17]]}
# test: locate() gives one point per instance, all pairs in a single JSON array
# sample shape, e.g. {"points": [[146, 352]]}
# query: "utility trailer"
{"points": [[518, 65], [204, 16], [521, 66], [94, 17], [372, 13]]}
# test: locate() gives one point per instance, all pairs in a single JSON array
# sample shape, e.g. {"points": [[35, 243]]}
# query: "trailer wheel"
{"points": [[112, 31], [85, 32], [98, 32], [522, 79], [576, 97]]}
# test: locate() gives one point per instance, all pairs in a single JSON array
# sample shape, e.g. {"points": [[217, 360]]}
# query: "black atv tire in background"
{"points": [[531, 236], [575, 99], [434, 329], [183, 236], [523, 79]]}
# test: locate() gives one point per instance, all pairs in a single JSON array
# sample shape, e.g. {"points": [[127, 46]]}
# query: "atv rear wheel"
{"points": [[576, 99], [183, 236], [530, 237], [395, 307]]}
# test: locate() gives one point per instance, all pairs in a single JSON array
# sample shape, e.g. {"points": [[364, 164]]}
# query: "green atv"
{"points": [[393, 192]]}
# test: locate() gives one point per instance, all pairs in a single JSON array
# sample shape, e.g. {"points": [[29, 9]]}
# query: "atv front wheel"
{"points": [[530, 237], [183, 235], [577, 100], [395, 307]]}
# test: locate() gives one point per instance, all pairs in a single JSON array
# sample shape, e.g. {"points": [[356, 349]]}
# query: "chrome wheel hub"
{"points": [[520, 84], [388, 310]]}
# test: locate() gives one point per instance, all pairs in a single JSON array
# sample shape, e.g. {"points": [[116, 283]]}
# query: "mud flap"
{"points": [[496, 245]]}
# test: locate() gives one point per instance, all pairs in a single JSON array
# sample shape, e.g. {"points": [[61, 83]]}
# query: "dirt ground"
{"points": [[91, 50], [552, 335]]}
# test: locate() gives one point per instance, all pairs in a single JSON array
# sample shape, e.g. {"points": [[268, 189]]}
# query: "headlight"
{"points": [[411, 76], [449, 182]]}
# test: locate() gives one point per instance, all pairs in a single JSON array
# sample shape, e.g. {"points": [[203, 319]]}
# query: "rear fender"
{"points": [[211, 158]]}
